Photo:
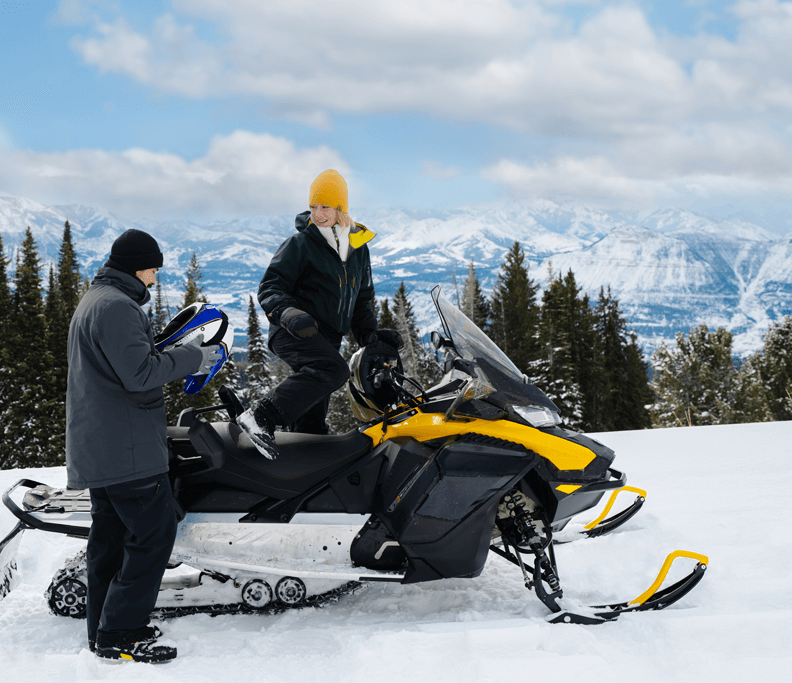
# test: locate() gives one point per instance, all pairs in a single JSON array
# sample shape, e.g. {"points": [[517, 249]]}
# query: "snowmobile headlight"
{"points": [[537, 416]]}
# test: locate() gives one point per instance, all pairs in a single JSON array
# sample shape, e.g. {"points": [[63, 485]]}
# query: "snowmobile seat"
{"points": [[304, 461]]}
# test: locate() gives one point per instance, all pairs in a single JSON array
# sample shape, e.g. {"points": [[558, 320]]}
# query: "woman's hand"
{"points": [[298, 324]]}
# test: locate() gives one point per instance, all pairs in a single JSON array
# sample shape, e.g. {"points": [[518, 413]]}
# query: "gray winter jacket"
{"points": [[115, 410]]}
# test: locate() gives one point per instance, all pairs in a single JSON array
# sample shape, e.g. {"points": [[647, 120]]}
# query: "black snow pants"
{"points": [[132, 534], [319, 369]]}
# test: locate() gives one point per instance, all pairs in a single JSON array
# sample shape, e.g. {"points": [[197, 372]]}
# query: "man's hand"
{"points": [[298, 323], [208, 355], [389, 337]]}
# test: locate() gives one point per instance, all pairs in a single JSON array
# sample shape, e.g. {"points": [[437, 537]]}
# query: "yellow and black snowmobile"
{"points": [[432, 483]]}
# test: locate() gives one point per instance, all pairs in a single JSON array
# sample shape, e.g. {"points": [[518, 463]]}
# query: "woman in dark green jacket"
{"points": [[316, 289]]}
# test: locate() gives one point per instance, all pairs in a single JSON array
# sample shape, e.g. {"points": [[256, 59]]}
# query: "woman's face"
{"points": [[323, 216]]}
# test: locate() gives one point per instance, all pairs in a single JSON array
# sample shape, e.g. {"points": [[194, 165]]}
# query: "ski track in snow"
{"points": [[720, 491]]}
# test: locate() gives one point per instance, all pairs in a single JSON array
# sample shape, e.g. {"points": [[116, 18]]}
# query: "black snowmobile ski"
{"points": [[602, 524], [526, 532]]}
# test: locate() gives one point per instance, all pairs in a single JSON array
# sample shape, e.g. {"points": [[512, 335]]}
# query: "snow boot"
{"points": [[140, 645], [259, 425]]}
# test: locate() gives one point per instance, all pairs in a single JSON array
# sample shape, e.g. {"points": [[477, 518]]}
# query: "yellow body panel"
{"points": [[565, 455], [568, 488]]}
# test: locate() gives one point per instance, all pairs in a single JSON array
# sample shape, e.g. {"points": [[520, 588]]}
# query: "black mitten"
{"points": [[298, 323], [389, 337]]}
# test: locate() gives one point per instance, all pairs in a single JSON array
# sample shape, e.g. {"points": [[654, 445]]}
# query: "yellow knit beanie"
{"points": [[329, 189]]}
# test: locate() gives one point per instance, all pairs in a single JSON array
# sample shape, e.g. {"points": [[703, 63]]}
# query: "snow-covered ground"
{"points": [[721, 491]]}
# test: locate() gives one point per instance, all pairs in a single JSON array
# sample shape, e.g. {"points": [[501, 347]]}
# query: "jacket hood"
{"points": [[128, 284], [358, 235]]}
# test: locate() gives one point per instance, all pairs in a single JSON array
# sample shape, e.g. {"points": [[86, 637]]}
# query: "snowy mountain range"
{"points": [[670, 269]]}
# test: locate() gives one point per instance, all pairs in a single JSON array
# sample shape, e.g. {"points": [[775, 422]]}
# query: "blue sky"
{"points": [[221, 108]]}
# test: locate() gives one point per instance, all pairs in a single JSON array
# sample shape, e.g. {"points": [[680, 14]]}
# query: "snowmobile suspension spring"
{"points": [[522, 519], [525, 526]]}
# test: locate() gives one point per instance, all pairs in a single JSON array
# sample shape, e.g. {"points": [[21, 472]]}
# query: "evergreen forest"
{"points": [[581, 353]]}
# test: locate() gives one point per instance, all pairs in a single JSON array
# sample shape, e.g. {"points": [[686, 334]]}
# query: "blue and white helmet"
{"points": [[198, 320]]}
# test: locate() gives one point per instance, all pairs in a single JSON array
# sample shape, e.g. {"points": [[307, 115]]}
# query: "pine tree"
{"points": [[474, 303], [57, 338], [176, 400], [6, 309], [564, 361], [86, 284], [514, 311], [28, 423], [63, 294], [387, 321], [158, 311], [419, 363], [5, 296], [775, 367], [696, 383], [259, 381], [193, 289], [68, 273], [229, 376], [340, 418], [635, 410], [752, 395], [619, 391]]}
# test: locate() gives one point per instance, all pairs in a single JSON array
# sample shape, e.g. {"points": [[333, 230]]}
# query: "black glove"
{"points": [[298, 323], [389, 337]]}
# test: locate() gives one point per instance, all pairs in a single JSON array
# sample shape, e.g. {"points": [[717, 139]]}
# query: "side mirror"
{"points": [[438, 341]]}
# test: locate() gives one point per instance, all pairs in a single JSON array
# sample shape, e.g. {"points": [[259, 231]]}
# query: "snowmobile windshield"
{"points": [[473, 345], [469, 341]]}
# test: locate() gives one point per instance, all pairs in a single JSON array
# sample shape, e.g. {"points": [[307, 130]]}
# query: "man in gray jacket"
{"points": [[116, 447]]}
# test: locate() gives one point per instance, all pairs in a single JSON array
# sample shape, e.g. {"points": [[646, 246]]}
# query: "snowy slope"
{"points": [[721, 491]]}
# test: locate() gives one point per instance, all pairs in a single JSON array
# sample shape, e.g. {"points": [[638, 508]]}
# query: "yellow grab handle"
{"points": [[643, 597], [611, 501]]}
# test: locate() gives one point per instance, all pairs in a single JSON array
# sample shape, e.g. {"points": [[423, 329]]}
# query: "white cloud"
{"points": [[626, 112], [5, 137], [439, 171], [76, 12], [566, 178], [516, 64], [241, 173], [714, 164]]}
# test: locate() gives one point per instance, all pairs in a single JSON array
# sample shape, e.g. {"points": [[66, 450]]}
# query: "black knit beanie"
{"points": [[135, 250]]}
